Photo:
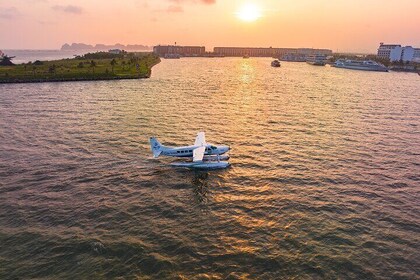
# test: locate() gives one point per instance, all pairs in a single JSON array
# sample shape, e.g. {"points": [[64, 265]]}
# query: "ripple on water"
{"points": [[323, 184]]}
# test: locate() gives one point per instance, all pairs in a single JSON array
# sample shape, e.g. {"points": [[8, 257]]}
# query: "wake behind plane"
{"points": [[204, 155]]}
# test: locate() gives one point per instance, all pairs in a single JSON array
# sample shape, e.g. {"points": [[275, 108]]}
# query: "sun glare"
{"points": [[249, 12]]}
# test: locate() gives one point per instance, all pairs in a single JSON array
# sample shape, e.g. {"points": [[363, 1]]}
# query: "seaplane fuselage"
{"points": [[187, 151]]}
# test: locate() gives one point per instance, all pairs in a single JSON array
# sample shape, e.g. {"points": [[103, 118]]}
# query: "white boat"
{"points": [[366, 65], [293, 58], [275, 63], [316, 59]]}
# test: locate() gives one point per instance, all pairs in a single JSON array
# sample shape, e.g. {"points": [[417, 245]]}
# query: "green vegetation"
{"points": [[6, 60], [96, 66]]}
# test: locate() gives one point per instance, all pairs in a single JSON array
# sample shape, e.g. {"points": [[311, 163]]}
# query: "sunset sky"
{"points": [[343, 25]]}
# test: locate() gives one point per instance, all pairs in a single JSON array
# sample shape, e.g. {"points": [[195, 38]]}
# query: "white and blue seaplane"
{"points": [[204, 155]]}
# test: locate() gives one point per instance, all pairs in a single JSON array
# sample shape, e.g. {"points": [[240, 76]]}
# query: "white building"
{"points": [[397, 53], [391, 52], [407, 53]]}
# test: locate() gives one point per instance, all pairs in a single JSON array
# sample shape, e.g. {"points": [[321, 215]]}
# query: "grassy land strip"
{"points": [[94, 66]]}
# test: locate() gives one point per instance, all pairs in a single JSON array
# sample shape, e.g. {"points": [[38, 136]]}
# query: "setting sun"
{"points": [[249, 12]]}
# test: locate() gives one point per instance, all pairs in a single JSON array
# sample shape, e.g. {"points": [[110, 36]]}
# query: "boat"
{"points": [[366, 65], [316, 59], [293, 58], [275, 63]]}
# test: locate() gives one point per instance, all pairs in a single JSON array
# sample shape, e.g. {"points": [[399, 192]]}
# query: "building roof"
{"points": [[389, 45]]}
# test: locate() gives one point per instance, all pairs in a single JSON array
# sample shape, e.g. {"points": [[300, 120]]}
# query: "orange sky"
{"points": [[342, 25]]}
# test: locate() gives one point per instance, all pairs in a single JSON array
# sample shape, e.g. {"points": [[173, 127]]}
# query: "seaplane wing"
{"points": [[198, 153], [200, 140]]}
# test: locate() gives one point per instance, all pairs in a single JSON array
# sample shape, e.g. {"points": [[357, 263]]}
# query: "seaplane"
{"points": [[204, 155]]}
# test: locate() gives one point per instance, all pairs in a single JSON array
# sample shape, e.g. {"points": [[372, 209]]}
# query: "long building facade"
{"points": [[165, 50], [395, 52], [269, 52], [179, 50]]}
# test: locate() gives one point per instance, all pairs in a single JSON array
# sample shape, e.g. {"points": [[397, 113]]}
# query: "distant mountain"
{"points": [[103, 47]]}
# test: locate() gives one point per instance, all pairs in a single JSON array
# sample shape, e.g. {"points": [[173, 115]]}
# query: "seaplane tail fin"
{"points": [[156, 147], [200, 140], [198, 153]]}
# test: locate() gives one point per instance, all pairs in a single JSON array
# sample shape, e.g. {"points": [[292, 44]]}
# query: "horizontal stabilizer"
{"points": [[156, 153]]}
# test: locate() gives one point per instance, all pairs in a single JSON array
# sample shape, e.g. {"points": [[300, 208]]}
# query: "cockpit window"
{"points": [[213, 147]]}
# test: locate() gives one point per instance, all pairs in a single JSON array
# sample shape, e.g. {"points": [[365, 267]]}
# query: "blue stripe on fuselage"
{"points": [[177, 152]]}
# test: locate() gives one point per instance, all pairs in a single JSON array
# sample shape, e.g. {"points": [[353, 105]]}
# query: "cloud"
{"points": [[175, 9], [70, 9], [178, 6], [9, 13]]}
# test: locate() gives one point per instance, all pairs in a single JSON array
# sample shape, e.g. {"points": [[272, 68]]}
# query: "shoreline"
{"points": [[37, 81]]}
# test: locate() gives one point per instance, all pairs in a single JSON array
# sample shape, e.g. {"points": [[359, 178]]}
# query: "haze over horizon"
{"points": [[346, 26]]}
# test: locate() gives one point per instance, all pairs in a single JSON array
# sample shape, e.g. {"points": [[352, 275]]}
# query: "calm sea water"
{"points": [[324, 183], [24, 56]]}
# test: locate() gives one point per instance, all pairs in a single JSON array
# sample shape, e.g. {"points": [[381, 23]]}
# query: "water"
{"points": [[24, 56], [324, 181]]}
